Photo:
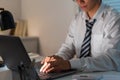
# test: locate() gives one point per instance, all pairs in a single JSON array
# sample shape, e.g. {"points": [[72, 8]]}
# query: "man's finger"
{"points": [[50, 70], [42, 62], [42, 68], [47, 59], [46, 67]]}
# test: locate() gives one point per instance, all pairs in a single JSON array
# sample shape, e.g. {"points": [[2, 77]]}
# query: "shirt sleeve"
{"points": [[110, 60], [67, 50]]}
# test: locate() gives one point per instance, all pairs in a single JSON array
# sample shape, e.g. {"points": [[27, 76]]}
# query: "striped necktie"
{"points": [[86, 45]]}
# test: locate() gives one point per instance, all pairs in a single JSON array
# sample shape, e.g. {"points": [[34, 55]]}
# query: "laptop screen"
{"points": [[16, 58], [13, 52]]}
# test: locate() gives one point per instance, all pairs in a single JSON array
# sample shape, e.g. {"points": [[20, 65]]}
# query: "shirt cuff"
{"points": [[78, 64]]}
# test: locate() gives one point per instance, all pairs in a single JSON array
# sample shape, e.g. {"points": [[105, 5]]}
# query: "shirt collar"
{"points": [[98, 14]]}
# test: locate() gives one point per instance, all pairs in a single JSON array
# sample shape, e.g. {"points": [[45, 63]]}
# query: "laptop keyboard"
{"points": [[49, 76], [45, 75], [53, 75]]}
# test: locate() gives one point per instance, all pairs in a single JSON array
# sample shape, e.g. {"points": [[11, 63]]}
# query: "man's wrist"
{"points": [[68, 64]]}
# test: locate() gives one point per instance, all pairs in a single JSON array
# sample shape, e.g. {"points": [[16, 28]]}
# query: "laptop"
{"points": [[16, 58]]}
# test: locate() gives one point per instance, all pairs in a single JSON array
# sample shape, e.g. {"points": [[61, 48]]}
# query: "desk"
{"points": [[110, 75], [6, 74]]}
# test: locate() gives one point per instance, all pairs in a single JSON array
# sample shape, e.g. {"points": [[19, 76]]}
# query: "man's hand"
{"points": [[54, 64]]}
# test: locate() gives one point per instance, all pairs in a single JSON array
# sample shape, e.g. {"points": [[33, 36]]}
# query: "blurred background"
{"points": [[46, 20]]}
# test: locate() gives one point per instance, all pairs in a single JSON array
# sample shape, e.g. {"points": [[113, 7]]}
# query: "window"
{"points": [[114, 3]]}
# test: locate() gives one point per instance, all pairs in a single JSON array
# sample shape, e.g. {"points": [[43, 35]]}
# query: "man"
{"points": [[94, 36]]}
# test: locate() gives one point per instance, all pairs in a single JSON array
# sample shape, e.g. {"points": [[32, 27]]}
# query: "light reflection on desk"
{"points": [[5, 73]]}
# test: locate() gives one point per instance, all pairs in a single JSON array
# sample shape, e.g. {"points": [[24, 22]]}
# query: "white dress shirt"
{"points": [[105, 41]]}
